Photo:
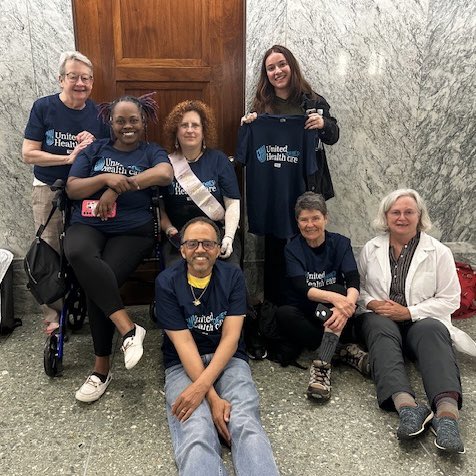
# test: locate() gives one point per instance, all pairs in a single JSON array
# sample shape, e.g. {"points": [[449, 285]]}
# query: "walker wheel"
{"points": [[77, 312], [52, 363]]}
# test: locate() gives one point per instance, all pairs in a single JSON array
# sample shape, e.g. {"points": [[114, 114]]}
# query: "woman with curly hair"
{"points": [[205, 182]]}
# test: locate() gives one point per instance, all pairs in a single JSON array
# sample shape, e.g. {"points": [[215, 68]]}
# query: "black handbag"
{"points": [[44, 269], [321, 181], [8, 321]]}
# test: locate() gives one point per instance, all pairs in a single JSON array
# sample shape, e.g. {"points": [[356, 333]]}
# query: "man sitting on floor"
{"points": [[201, 304]]}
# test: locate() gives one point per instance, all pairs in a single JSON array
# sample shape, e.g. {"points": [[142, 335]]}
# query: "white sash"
{"points": [[195, 189]]}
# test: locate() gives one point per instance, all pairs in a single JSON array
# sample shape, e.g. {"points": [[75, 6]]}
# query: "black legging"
{"points": [[102, 263]]}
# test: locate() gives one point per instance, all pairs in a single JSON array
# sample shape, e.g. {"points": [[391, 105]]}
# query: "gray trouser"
{"points": [[427, 342]]}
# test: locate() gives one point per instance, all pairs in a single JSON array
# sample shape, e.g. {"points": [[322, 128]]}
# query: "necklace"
{"points": [[191, 161], [196, 300]]}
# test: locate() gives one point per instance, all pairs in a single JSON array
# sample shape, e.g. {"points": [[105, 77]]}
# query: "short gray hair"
{"points": [[310, 201], [380, 223], [72, 56]]}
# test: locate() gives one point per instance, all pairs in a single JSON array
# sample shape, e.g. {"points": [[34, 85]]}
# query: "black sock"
{"points": [[102, 377], [327, 347], [131, 333]]}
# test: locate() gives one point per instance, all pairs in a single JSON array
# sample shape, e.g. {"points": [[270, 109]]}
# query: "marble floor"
{"points": [[44, 430]]}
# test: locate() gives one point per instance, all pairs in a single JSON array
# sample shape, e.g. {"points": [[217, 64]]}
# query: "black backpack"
{"points": [[8, 322], [279, 348], [44, 269]]}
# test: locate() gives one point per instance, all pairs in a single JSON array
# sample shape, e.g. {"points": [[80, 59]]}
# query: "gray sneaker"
{"points": [[353, 355], [447, 435], [413, 421], [319, 381]]}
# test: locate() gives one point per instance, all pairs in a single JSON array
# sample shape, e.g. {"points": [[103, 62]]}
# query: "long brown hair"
{"points": [[265, 95]]}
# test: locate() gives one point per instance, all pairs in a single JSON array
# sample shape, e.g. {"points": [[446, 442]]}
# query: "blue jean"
{"points": [[195, 441]]}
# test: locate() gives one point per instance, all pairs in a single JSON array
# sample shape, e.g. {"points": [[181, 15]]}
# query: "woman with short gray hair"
{"points": [[59, 128], [321, 296], [409, 287]]}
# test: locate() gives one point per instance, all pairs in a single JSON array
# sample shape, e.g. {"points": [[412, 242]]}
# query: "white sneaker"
{"points": [[132, 348], [93, 389]]}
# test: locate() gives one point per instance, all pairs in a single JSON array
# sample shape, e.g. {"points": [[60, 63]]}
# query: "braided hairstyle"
{"points": [[148, 108]]}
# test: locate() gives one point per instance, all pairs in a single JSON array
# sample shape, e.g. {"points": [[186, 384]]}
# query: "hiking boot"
{"points": [[319, 381], [447, 435], [353, 355], [413, 421]]}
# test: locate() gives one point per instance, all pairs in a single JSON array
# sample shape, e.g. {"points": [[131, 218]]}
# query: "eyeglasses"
{"points": [[73, 78], [193, 125], [207, 245], [406, 213]]}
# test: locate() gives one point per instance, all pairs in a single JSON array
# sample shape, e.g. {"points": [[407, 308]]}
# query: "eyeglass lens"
{"points": [[206, 244]]}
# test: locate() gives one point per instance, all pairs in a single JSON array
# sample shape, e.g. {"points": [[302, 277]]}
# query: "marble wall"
{"points": [[399, 77], [33, 34]]}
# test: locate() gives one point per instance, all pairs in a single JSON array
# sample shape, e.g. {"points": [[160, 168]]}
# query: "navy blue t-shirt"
{"points": [[225, 296], [216, 173], [133, 209], [321, 266], [279, 154], [56, 125]]}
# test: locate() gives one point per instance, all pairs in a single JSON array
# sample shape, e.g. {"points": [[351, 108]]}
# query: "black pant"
{"points": [[274, 286], [305, 330], [102, 263], [427, 342]]}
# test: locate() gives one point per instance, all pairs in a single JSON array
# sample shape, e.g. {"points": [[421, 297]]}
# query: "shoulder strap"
{"points": [[41, 228]]}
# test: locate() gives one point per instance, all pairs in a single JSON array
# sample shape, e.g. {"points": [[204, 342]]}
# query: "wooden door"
{"points": [[182, 49]]}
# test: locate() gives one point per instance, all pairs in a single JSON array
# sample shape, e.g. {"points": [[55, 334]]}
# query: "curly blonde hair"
{"points": [[174, 119]]}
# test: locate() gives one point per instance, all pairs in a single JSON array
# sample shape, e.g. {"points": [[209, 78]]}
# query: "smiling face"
{"points": [[279, 74], [127, 125], [312, 225], [403, 218], [200, 261], [76, 83]]}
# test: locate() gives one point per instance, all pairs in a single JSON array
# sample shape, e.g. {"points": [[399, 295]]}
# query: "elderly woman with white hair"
{"points": [[60, 126], [410, 288]]}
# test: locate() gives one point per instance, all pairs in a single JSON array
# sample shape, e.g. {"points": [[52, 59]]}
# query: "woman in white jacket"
{"points": [[409, 288]]}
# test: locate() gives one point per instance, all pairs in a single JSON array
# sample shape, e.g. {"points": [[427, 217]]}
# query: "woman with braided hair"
{"points": [[112, 227]]}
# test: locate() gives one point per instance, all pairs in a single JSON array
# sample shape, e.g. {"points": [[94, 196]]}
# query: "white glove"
{"points": [[226, 247]]}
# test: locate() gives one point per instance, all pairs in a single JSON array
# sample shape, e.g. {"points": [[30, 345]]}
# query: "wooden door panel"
{"points": [[161, 31], [167, 96], [187, 49]]}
